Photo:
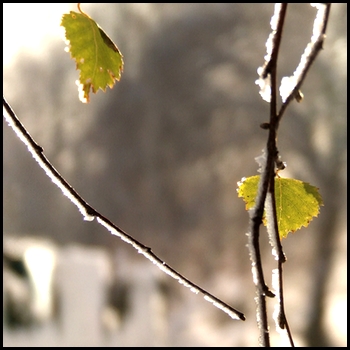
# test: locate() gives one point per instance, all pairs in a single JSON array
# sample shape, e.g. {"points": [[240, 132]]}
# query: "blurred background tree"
{"points": [[160, 154]]}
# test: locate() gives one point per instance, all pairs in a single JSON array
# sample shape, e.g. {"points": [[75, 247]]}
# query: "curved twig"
{"points": [[289, 90], [90, 213], [268, 76]]}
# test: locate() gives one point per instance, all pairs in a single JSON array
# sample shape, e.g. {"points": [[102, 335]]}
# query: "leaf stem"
{"points": [[82, 12]]}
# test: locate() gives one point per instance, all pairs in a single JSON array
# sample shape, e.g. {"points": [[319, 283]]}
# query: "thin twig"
{"points": [[268, 75], [280, 315], [90, 213], [294, 82], [289, 90], [306, 60]]}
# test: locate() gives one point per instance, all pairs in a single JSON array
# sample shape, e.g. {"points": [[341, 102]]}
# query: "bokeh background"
{"points": [[161, 153]]}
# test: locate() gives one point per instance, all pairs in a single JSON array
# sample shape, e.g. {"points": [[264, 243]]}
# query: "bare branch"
{"points": [[268, 91], [289, 90], [90, 213], [290, 86]]}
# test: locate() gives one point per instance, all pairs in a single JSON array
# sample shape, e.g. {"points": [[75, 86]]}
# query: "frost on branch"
{"points": [[265, 86], [288, 84]]}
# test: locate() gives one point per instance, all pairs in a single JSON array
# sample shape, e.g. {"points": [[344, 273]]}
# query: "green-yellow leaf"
{"points": [[97, 57], [297, 202]]}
